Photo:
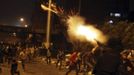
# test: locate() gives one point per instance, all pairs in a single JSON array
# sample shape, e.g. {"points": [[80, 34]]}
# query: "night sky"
{"points": [[131, 5], [12, 10]]}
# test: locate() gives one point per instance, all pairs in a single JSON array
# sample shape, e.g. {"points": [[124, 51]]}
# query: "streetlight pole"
{"points": [[48, 26]]}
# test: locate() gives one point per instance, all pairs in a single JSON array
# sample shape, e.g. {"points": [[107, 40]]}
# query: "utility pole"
{"points": [[48, 26]]}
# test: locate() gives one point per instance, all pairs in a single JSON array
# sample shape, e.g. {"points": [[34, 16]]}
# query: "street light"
{"points": [[26, 26], [23, 23], [22, 19], [110, 22]]}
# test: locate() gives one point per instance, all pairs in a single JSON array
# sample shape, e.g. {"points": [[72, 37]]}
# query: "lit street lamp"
{"points": [[26, 26], [21, 19], [23, 23]]}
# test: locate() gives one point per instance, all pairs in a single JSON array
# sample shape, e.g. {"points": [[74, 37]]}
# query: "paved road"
{"points": [[36, 68]]}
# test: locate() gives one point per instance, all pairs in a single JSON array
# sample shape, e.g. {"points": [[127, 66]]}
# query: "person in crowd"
{"points": [[48, 57], [22, 57], [10, 54], [73, 63], [60, 57], [88, 62], [79, 61], [109, 61], [14, 68]]}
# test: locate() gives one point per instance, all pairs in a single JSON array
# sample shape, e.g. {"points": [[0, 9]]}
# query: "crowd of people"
{"points": [[111, 59], [12, 54]]}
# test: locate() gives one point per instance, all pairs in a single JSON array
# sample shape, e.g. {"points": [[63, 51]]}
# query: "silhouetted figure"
{"points": [[23, 59], [48, 57], [14, 68], [109, 61], [60, 57]]}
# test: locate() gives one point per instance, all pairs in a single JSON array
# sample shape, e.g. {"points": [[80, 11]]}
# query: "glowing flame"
{"points": [[79, 30], [88, 32]]}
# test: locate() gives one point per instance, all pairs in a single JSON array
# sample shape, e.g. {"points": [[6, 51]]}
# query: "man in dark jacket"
{"points": [[108, 62]]}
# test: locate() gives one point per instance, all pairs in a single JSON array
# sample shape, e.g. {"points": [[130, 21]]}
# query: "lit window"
{"points": [[117, 14], [111, 14], [110, 21]]}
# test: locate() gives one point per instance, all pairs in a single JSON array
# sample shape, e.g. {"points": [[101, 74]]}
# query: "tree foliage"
{"points": [[122, 30]]}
